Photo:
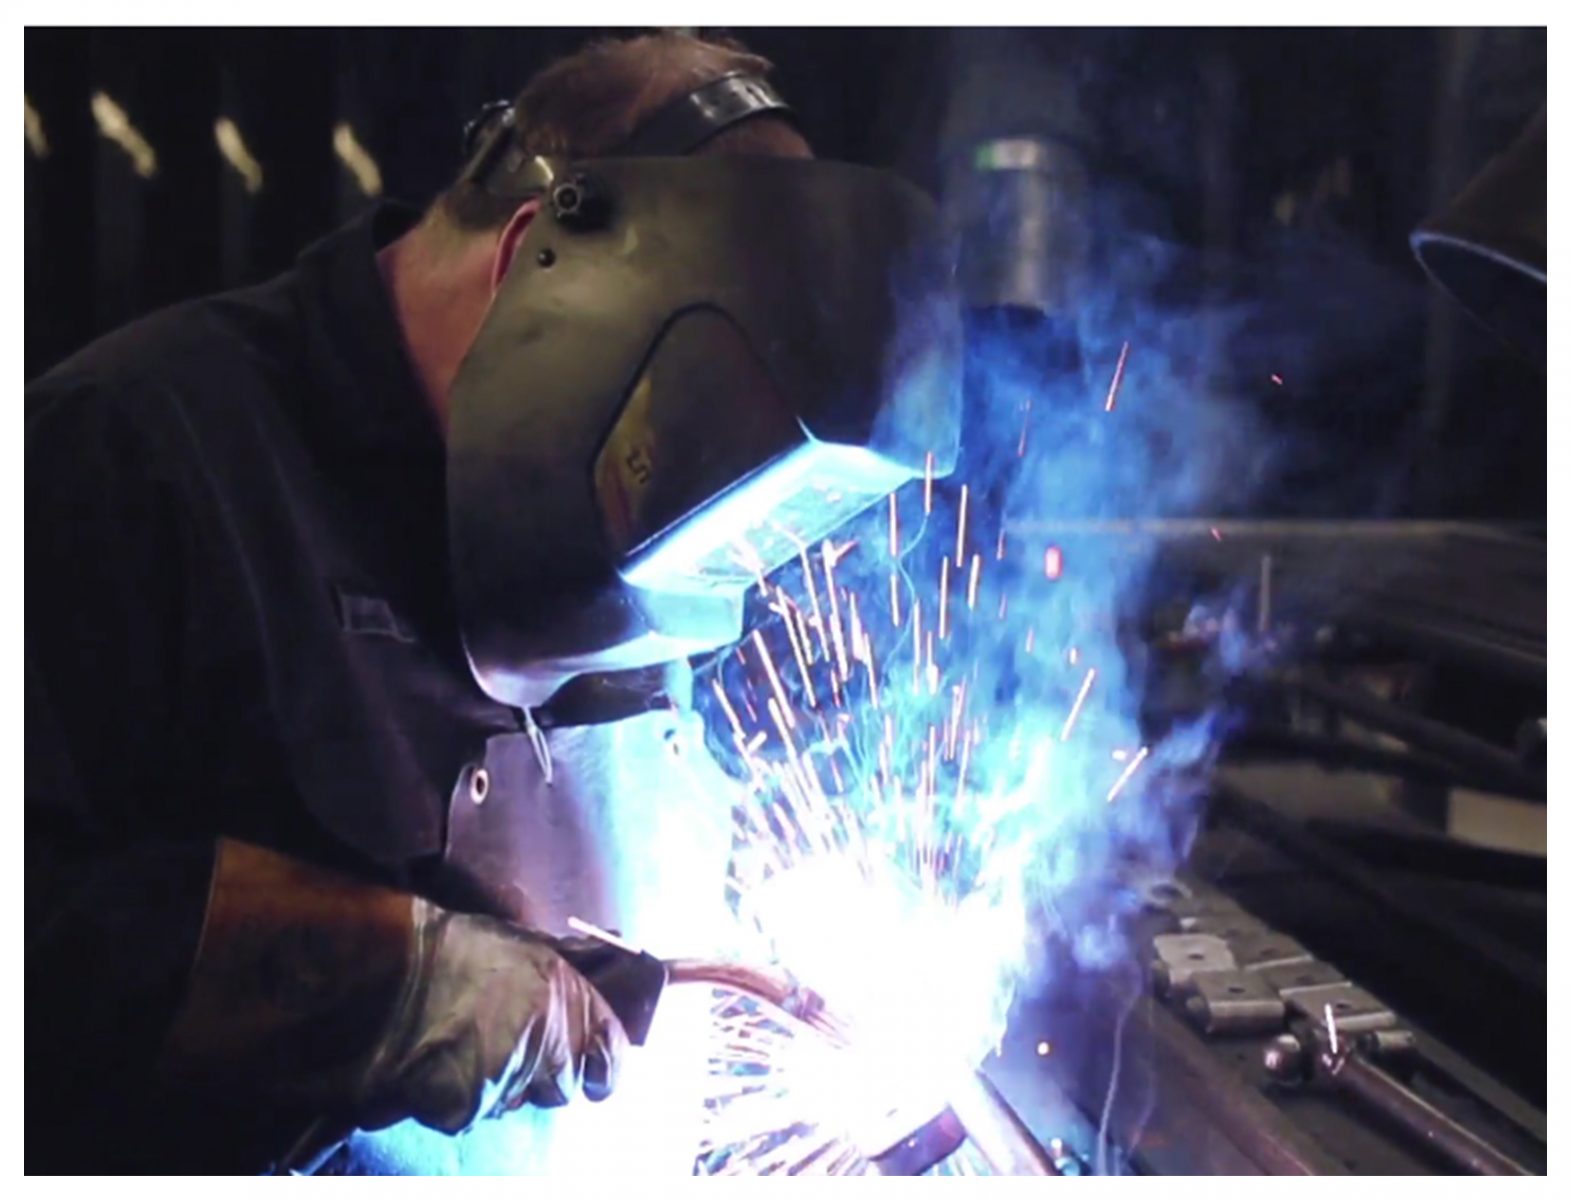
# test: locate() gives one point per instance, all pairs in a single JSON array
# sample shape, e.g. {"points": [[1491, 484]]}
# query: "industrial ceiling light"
{"points": [[232, 146], [357, 159], [116, 126], [33, 126]]}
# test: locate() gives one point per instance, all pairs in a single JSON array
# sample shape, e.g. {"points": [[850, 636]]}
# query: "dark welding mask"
{"points": [[694, 369]]}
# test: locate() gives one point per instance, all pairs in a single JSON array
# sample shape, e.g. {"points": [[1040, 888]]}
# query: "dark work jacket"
{"points": [[238, 623]]}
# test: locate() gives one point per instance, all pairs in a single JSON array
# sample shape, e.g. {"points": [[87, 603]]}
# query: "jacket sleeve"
{"points": [[112, 911]]}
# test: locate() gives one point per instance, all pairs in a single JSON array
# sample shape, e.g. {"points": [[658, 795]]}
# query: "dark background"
{"points": [[1290, 164]]}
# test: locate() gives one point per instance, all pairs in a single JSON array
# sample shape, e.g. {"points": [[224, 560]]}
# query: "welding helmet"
{"points": [[694, 369]]}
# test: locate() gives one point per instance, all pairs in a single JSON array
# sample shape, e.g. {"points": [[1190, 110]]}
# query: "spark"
{"points": [[601, 935], [1276, 379], [960, 526], [943, 600], [1074, 713], [830, 558], [894, 600], [1331, 1027], [1025, 423], [894, 527], [1053, 562], [730, 712], [1118, 378], [1030, 638], [812, 593], [927, 486], [796, 646], [1216, 533], [976, 576], [1043, 1049], [746, 554], [774, 678], [1134, 765], [1264, 608], [1000, 545]]}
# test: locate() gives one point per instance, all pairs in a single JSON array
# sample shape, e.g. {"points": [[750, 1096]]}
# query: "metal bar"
{"points": [[1473, 948], [1521, 664], [1422, 732], [1337, 753], [1373, 1087], [997, 1131]]}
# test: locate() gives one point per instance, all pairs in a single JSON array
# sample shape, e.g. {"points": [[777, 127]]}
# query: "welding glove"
{"points": [[498, 1019], [319, 1000]]}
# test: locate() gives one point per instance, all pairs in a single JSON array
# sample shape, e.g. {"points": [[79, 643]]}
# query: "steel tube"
{"points": [[997, 1131], [1369, 1084]]}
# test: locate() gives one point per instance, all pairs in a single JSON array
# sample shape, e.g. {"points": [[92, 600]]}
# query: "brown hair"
{"points": [[584, 104]]}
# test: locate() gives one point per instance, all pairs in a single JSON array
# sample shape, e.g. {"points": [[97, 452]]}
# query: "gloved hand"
{"points": [[496, 1018], [319, 1002]]}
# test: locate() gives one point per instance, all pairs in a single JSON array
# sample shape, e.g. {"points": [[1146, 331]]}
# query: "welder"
{"points": [[359, 607]]}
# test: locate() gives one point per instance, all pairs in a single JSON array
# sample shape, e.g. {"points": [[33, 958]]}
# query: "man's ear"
{"points": [[507, 245]]}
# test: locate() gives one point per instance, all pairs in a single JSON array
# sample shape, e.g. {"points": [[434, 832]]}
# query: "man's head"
{"points": [[445, 273]]}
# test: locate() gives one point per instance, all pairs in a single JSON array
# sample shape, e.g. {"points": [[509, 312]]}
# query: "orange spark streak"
{"points": [[1053, 562], [802, 633], [1128, 771], [932, 758], [976, 578], [960, 525], [747, 555], [834, 611], [927, 487], [894, 527], [812, 591], [796, 648], [956, 712], [1118, 378], [725, 703], [1216, 533], [774, 677], [894, 599], [943, 600], [1074, 713]]}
